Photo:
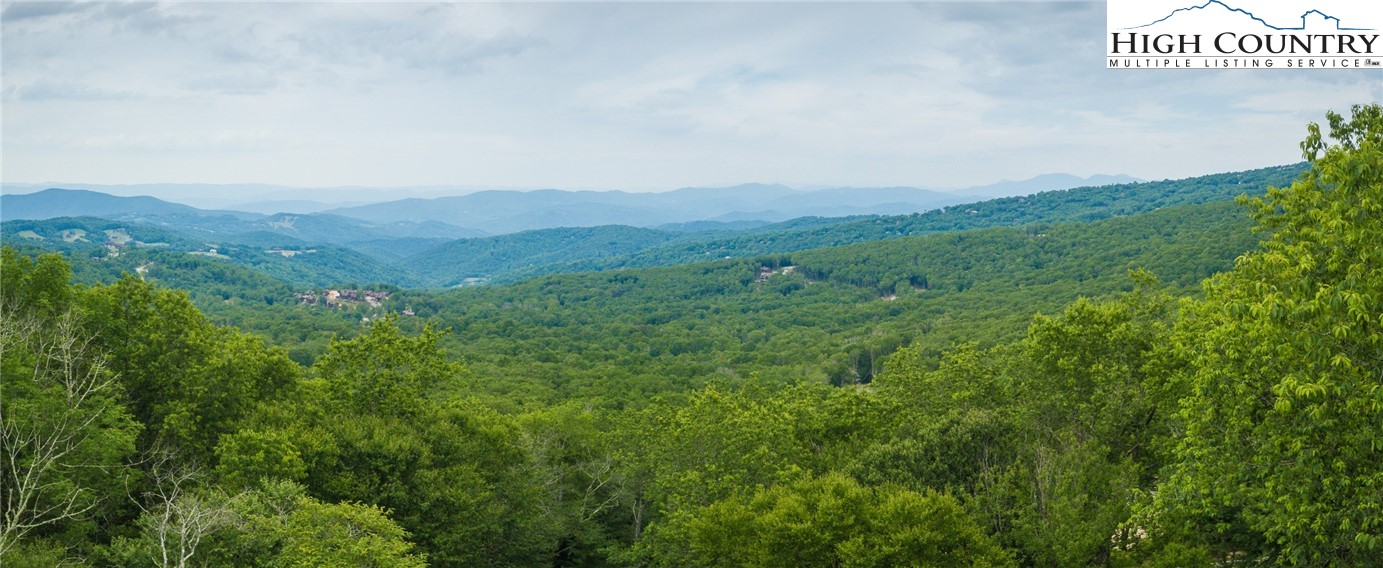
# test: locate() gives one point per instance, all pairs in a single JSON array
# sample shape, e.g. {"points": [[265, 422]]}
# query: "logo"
{"points": [[1244, 34]]}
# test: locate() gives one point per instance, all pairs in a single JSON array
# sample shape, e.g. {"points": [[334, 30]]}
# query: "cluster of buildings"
{"points": [[765, 272], [113, 248], [288, 253], [343, 298]]}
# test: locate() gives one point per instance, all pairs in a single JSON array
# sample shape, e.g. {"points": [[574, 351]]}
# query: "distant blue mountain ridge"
{"points": [[494, 212]]}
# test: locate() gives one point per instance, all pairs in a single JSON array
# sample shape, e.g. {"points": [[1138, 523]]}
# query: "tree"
{"points": [[582, 489], [1047, 440], [178, 515], [832, 521], [249, 456], [276, 525], [715, 444], [385, 372], [63, 432], [453, 472], [187, 380], [1284, 402], [344, 534], [34, 286]]}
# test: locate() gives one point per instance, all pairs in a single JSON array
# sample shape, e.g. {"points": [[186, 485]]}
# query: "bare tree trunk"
{"points": [[178, 518], [41, 436]]}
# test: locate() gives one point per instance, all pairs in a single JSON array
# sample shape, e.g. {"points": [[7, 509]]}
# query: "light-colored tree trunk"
{"points": [[39, 449]]}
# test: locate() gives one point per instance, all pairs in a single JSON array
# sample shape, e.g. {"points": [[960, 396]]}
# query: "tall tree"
{"points": [[34, 285], [1282, 422], [386, 372], [187, 380], [63, 432], [830, 521], [453, 472]]}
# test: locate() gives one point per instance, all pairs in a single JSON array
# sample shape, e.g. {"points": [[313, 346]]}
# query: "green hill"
{"points": [[500, 257], [1079, 204], [127, 244], [1000, 396], [56, 202], [834, 316], [510, 258]]}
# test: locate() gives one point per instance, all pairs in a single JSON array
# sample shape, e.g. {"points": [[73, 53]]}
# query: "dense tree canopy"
{"points": [[1285, 399], [1000, 397]]}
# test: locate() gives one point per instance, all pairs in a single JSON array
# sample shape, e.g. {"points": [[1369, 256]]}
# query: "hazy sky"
{"points": [[621, 95]]}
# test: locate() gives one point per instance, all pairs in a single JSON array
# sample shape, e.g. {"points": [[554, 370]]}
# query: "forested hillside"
{"points": [[56, 202], [449, 264], [406, 253], [621, 336], [514, 257], [503, 212], [126, 246], [1079, 204], [1192, 386], [215, 224], [936, 289]]}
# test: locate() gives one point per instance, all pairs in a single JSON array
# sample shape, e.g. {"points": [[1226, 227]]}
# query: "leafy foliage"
{"points": [[128, 245], [1284, 402], [63, 433], [506, 257], [832, 521], [1080, 204], [895, 403]]}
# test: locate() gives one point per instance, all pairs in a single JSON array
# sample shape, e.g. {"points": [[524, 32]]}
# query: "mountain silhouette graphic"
{"points": [[1265, 23]]}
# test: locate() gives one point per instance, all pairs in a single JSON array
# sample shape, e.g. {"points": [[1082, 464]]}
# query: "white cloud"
{"points": [[620, 95]]}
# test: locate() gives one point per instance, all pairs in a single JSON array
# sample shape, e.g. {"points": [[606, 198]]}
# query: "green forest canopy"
{"points": [[1135, 426]]}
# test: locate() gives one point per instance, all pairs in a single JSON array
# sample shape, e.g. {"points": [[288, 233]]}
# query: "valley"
{"points": [[606, 394], [434, 253], [686, 285]]}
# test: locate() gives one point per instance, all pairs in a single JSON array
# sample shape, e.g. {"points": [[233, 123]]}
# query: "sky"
{"points": [[640, 96]]}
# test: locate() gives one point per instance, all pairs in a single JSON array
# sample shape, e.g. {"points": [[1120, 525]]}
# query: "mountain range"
{"points": [[410, 242], [216, 224], [494, 212]]}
